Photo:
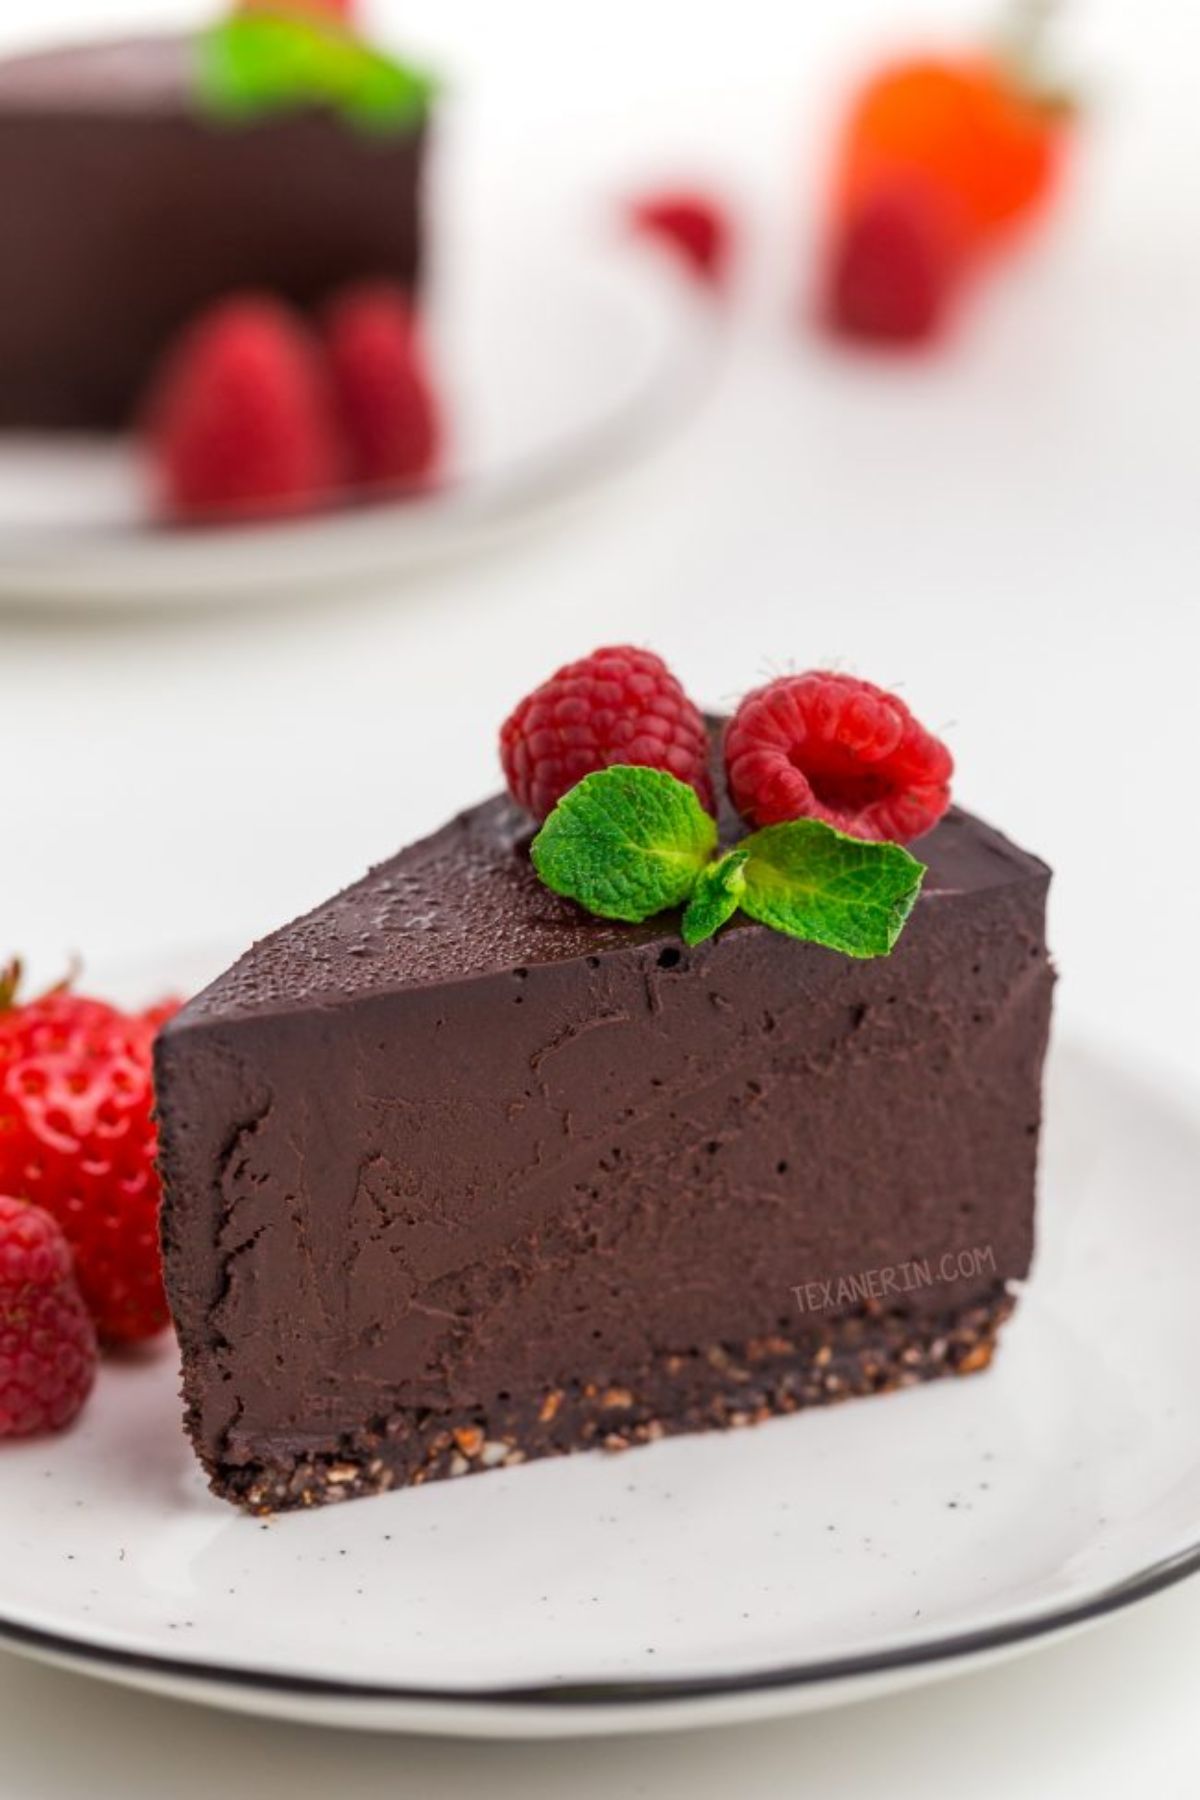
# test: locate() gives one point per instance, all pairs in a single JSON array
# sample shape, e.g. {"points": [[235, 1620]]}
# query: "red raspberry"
{"points": [[895, 265], [239, 421], [830, 747], [77, 1139], [385, 399], [693, 226], [47, 1340], [617, 705]]}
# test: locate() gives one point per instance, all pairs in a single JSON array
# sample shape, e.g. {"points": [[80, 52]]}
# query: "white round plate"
{"points": [[562, 354], [813, 1560]]}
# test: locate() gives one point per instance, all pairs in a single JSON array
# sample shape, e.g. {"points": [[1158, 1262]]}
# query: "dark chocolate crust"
{"points": [[126, 211], [448, 1149]]}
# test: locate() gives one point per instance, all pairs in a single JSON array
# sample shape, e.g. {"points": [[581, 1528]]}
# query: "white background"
{"points": [[1010, 532]]}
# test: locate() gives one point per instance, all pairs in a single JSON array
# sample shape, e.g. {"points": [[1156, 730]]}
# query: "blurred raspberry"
{"points": [[239, 421], [693, 226], [894, 266], [384, 395]]}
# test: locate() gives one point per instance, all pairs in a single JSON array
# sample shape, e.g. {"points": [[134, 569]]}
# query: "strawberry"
{"points": [[77, 1138], [385, 398], [336, 11], [239, 420]]}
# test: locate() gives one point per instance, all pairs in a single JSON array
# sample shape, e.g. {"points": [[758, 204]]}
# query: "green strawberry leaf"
{"points": [[715, 897], [261, 62], [812, 882], [625, 843]]}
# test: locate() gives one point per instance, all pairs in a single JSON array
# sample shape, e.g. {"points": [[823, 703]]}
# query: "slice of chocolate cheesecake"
{"points": [[457, 1175], [129, 206]]}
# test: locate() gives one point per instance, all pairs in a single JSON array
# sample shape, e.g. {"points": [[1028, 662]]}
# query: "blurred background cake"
{"points": [[141, 180]]}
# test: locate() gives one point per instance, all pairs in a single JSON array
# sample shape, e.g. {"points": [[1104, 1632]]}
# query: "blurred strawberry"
{"points": [[972, 127], [693, 226], [340, 11], [383, 392], [239, 420]]}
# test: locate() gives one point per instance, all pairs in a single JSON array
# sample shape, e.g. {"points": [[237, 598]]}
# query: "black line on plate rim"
{"points": [[601, 1694]]}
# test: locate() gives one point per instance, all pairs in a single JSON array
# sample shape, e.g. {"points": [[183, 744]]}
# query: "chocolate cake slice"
{"points": [[127, 207], [457, 1175]]}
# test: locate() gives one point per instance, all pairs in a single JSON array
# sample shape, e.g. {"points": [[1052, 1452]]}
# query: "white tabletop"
{"points": [[1010, 532]]}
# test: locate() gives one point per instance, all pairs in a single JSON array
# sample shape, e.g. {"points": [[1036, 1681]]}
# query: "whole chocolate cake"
{"points": [[134, 192], [458, 1173]]}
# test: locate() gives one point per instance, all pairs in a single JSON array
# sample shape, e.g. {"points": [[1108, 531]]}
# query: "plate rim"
{"points": [[601, 1695]]}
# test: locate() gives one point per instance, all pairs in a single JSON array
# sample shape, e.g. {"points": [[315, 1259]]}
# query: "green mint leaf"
{"points": [[625, 843], [715, 897], [812, 882], [255, 63]]}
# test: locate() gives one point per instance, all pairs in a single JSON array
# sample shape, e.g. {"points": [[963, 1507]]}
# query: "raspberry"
{"points": [[239, 422], [695, 228], [47, 1340], [830, 747], [895, 264], [617, 705], [385, 399], [77, 1139]]}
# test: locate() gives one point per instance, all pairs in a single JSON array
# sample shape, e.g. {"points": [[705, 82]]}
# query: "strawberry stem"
{"points": [[1020, 46], [10, 981], [66, 982]]}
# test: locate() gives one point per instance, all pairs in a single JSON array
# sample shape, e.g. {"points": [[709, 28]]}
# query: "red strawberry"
{"points": [[239, 420], [385, 398], [342, 11], [47, 1339], [896, 261], [693, 226], [77, 1138]]}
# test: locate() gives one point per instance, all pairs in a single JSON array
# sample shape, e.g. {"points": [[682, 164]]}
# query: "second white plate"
{"points": [[564, 351]]}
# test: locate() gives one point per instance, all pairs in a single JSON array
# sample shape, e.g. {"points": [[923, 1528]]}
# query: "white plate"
{"points": [[813, 1560], [565, 350]]}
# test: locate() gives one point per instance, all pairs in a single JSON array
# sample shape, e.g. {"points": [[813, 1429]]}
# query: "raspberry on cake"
{"points": [[618, 705], [460, 1171], [832, 747]]}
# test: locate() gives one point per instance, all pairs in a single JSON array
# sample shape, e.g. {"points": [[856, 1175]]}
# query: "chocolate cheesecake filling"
{"points": [[458, 1175]]}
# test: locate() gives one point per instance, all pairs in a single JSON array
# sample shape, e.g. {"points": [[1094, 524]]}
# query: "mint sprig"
{"points": [[264, 62], [720, 889], [627, 843]]}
